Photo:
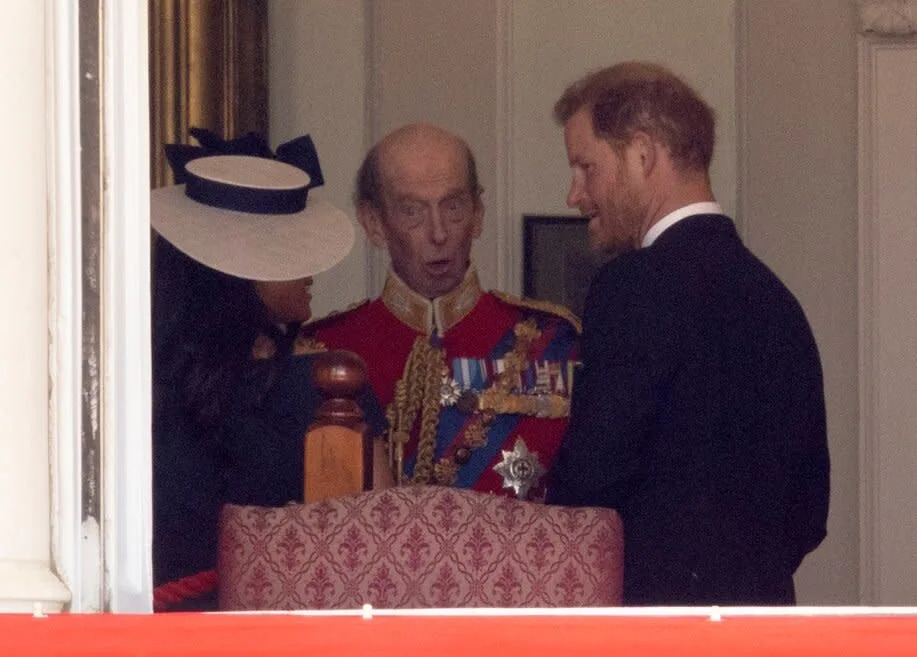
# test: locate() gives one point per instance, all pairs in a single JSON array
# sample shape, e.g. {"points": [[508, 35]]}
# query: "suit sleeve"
{"points": [[807, 515]]}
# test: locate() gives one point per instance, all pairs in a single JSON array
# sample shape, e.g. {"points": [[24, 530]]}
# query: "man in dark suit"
{"points": [[699, 413]]}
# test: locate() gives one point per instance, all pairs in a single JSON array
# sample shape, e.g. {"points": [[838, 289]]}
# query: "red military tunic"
{"points": [[513, 360]]}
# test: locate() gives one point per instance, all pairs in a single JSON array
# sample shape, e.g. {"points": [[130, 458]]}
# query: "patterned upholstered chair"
{"points": [[417, 547]]}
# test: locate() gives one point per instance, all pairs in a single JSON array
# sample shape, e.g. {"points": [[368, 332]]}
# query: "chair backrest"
{"points": [[419, 547]]}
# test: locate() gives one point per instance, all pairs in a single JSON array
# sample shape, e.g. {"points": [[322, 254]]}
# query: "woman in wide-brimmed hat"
{"points": [[238, 242]]}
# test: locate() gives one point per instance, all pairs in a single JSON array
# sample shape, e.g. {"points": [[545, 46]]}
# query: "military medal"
{"points": [[449, 391], [520, 469]]}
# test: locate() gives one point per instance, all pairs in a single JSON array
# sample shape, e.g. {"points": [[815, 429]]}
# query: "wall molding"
{"points": [[64, 301], [376, 259], [887, 567], [869, 529], [742, 104], [30, 587], [99, 310], [127, 492], [888, 17], [509, 241]]}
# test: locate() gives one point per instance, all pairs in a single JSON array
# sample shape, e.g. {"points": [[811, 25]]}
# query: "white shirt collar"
{"points": [[705, 207]]}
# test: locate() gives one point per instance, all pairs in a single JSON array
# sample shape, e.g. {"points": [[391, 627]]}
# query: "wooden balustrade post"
{"points": [[338, 449]]}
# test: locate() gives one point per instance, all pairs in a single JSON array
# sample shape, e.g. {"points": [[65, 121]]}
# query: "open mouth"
{"points": [[438, 267], [589, 213]]}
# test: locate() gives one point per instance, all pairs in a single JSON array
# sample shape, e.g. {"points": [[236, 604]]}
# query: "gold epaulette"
{"points": [[264, 348], [311, 324], [544, 306], [304, 345]]}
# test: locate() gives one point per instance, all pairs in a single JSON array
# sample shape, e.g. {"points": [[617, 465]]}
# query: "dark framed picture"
{"points": [[557, 263]]}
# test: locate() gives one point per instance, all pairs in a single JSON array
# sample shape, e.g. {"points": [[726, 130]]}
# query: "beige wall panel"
{"points": [[799, 114], [555, 43], [436, 62], [888, 319], [317, 86]]}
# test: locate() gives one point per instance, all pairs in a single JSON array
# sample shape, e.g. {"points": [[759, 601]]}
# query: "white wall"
{"points": [[25, 574]]}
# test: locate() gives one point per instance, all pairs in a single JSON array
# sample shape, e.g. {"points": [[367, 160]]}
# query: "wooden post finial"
{"points": [[339, 375], [338, 449]]}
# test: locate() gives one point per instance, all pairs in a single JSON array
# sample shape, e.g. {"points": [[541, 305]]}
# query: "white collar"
{"points": [[672, 218]]}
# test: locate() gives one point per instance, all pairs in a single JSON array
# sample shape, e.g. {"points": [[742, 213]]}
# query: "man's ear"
{"points": [[477, 226], [370, 217], [642, 153]]}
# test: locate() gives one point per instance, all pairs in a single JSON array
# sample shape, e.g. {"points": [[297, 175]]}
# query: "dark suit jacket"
{"points": [[699, 415]]}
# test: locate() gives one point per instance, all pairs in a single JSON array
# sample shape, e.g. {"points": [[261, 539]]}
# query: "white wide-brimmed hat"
{"points": [[251, 217]]}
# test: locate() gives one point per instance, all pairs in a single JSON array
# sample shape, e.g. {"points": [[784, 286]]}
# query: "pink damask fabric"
{"points": [[418, 547]]}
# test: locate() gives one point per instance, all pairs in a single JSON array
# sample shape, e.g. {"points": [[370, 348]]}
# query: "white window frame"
{"points": [[106, 561]]}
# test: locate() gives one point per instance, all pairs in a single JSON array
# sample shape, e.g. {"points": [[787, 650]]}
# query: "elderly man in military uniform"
{"points": [[476, 384]]}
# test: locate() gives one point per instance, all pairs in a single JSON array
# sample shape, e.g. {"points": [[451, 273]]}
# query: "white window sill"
{"points": [[30, 586]]}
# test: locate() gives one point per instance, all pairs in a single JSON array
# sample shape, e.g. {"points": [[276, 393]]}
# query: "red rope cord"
{"points": [[171, 593]]}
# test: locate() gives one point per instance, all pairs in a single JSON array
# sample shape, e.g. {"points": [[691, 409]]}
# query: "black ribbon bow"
{"points": [[299, 152]]}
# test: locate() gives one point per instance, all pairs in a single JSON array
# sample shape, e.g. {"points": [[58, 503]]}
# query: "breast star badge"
{"points": [[519, 468]]}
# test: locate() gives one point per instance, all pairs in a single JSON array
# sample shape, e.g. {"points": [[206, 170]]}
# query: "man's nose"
{"points": [[575, 193], [437, 227]]}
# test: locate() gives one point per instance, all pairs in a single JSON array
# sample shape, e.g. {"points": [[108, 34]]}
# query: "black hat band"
{"points": [[245, 199]]}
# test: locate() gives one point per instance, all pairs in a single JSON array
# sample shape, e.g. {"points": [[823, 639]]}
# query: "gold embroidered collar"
{"points": [[424, 315]]}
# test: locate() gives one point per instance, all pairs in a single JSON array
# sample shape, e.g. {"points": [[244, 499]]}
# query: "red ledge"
{"points": [[557, 633]]}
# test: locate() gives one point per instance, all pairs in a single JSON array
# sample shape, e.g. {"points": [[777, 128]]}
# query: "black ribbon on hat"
{"points": [[299, 152]]}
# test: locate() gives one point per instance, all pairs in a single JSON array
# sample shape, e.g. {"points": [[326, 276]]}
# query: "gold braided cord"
{"points": [[418, 388], [432, 375], [405, 402], [414, 380], [401, 411], [397, 437]]}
